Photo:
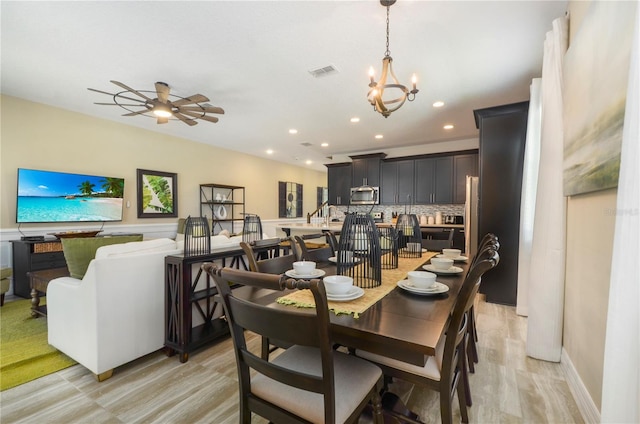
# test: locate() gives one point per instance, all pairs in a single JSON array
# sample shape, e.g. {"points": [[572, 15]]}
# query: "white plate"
{"points": [[452, 270], [335, 260], [315, 274], [439, 289], [352, 294], [458, 259]]}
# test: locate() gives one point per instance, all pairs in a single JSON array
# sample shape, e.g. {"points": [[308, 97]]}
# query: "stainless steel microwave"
{"points": [[365, 195]]}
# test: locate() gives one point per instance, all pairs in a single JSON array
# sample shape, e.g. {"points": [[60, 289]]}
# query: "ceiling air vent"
{"points": [[305, 144], [323, 71]]}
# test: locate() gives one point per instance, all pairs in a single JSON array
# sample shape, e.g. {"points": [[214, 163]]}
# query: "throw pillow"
{"points": [[78, 252]]}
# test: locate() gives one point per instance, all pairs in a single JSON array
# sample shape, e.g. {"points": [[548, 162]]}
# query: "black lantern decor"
{"points": [[252, 228], [389, 247], [359, 255], [197, 236], [409, 236]]}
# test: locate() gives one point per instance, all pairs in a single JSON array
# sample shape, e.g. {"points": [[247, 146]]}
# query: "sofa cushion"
{"points": [[136, 247], [78, 252]]}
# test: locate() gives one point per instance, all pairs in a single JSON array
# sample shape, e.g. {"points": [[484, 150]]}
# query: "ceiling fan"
{"points": [[164, 105]]}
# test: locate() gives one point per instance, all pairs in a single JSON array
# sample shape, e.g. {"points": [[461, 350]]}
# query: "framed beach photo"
{"points": [[157, 194]]}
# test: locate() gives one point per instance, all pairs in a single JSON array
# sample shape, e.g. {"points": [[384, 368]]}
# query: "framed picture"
{"points": [[157, 194], [289, 200]]}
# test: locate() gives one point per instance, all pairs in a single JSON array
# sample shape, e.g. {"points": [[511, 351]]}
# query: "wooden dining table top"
{"points": [[401, 325]]}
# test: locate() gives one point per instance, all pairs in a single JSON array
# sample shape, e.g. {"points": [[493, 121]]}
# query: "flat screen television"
{"points": [[48, 196]]}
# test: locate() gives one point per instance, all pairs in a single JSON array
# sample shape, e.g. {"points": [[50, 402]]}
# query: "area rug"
{"points": [[24, 352]]}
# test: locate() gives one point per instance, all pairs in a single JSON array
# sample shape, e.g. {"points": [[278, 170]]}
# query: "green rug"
{"points": [[24, 352]]}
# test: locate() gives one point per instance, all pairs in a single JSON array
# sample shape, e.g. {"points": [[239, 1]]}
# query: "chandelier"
{"points": [[377, 91]]}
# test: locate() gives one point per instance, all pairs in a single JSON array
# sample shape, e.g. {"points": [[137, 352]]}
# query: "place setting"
{"points": [[422, 283], [305, 270], [442, 266], [340, 288], [455, 254], [345, 257]]}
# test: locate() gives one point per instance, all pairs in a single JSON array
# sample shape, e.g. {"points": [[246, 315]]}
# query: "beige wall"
{"points": [[42, 137], [590, 231]]}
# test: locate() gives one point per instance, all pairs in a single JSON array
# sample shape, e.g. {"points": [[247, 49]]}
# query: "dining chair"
{"points": [[489, 240], [321, 254], [444, 371], [278, 265], [332, 240], [307, 383], [436, 245]]}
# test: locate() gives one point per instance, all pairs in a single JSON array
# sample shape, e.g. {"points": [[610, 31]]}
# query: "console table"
{"points": [[29, 256], [39, 283], [186, 291]]}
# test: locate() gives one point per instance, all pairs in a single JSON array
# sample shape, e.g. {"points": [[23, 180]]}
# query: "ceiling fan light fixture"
{"points": [[377, 89], [162, 111]]}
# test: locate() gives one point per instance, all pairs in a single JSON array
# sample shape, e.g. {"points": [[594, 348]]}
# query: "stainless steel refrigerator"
{"points": [[471, 217]]}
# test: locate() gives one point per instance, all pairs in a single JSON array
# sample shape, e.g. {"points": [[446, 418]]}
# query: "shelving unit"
{"points": [[224, 204]]}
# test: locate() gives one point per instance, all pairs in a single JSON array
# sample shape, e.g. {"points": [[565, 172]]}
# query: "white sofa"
{"points": [[115, 314]]}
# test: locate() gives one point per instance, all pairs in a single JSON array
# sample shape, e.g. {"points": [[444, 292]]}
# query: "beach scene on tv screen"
{"points": [[45, 196]]}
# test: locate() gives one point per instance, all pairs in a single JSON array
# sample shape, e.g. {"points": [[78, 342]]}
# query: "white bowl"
{"points": [[442, 263], [452, 253], [337, 284], [422, 279], [304, 267]]}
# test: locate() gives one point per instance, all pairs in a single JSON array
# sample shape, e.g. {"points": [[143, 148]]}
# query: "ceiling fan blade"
{"points": [[162, 120], [115, 104], [207, 109], [199, 116], [117, 95], [188, 121], [140, 112], [126, 87], [163, 91], [196, 98]]}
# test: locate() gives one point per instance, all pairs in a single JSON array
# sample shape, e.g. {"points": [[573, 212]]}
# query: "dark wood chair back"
{"points": [[321, 254], [308, 328], [277, 265], [436, 245]]}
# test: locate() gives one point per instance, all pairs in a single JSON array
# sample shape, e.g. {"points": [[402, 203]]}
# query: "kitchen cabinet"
{"points": [[397, 182], [434, 180], [366, 170], [503, 132], [339, 183], [463, 165]]}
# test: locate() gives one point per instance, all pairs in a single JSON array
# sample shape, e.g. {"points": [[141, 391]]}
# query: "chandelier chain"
{"points": [[387, 52]]}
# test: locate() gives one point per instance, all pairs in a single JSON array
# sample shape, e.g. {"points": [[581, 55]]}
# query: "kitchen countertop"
{"points": [[337, 226]]}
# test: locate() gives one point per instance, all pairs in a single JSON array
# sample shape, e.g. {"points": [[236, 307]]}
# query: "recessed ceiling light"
{"points": [[379, 136], [308, 162], [269, 152], [355, 119], [448, 127], [439, 103], [324, 144], [293, 131]]}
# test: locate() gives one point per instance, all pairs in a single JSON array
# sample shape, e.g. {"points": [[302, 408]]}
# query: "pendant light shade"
{"points": [[252, 228]]}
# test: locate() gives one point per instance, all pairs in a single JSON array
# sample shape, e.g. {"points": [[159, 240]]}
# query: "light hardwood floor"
{"points": [[507, 387]]}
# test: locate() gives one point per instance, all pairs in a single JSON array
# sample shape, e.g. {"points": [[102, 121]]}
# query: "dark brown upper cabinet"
{"points": [[366, 170]]}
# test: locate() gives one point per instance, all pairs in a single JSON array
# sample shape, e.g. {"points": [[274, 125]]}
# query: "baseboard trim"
{"points": [[588, 409]]}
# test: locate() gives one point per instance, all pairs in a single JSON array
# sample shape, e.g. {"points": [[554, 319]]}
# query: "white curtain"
{"points": [[546, 290], [621, 373], [529, 190]]}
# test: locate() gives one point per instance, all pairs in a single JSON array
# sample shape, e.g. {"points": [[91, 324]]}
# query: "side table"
{"points": [[39, 281]]}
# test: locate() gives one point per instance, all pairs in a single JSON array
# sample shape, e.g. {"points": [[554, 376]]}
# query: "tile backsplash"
{"points": [[388, 210]]}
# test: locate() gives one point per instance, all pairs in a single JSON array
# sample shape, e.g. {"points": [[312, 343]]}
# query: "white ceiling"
{"points": [[253, 59]]}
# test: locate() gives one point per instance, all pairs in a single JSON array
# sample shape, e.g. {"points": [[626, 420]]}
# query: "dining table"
{"points": [[398, 324]]}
